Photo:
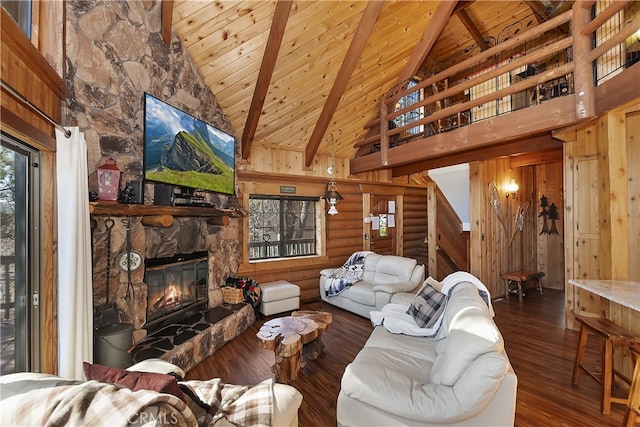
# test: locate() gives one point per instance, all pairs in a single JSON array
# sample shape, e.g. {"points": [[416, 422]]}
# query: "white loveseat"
{"points": [[460, 376], [383, 276]]}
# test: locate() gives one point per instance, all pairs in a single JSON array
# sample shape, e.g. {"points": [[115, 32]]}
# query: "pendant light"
{"points": [[332, 195]]}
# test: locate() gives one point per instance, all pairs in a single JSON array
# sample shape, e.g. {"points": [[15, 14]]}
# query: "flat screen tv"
{"points": [[183, 151]]}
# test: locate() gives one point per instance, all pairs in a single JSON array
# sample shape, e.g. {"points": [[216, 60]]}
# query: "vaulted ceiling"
{"points": [[289, 74]]}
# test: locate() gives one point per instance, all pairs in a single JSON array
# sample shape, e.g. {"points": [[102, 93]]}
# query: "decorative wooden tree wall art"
{"points": [[548, 212]]}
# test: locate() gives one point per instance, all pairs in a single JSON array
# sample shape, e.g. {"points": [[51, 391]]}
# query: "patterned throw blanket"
{"points": [[345, 276], [53, 401]]}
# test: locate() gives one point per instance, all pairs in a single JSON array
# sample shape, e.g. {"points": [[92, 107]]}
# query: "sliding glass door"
{"points": [[19, 257]]}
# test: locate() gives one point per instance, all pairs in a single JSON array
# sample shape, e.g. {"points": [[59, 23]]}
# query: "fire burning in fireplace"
{"points": [[175, 287]]}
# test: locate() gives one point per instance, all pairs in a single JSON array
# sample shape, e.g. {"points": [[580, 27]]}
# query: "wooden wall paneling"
{"points": [[613, 125], [633, 159], [477, 207], [550, 259], [570, 234]]}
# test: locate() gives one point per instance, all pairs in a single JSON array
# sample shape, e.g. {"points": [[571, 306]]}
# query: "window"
{"points": [[413, 115], [20, 11], [19, 260], [281, 227]]}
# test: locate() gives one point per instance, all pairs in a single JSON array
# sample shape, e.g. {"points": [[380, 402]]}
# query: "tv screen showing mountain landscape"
{"points": [[184, 151]]}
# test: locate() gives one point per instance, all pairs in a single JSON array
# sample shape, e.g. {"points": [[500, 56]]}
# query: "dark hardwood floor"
{"points": [[540, 349]]}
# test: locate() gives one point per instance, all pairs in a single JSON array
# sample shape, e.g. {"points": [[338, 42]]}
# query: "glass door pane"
{"points": [[16, 288]]}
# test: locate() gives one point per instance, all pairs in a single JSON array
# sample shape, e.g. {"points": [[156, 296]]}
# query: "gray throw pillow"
{"points": [[427, 306]]}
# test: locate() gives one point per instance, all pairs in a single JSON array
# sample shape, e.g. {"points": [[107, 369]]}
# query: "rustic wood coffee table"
{"points": [[285, 336]]}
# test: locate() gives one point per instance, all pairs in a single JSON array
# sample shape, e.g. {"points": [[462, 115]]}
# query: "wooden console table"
{"points": [[520, 278]]}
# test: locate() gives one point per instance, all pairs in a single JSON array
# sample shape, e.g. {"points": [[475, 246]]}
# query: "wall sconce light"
{"points": [[512, 189], [332, 195]]}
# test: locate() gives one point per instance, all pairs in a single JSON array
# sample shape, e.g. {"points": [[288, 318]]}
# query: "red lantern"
{"points": [[108, 181]]}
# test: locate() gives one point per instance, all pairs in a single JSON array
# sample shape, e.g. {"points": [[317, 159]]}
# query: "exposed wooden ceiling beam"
{"points": [[167, 20], [543, 143], [427, 40], [472, 29], [536, 6], [461, 5], [276, 34], [367, 22]]}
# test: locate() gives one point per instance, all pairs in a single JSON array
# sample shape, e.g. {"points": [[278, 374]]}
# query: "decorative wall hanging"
{"points": [[494, 201], [518, 220], [548, 212]]}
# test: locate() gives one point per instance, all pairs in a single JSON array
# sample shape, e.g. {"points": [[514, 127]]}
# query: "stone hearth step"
{"points": [[189, 341]]}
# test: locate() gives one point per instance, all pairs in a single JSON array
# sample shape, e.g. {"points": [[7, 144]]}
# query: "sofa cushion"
{"points": [[472, 334], [133, 380], [427, 306], [362, 293], [383, 269], [414, 346], [463, 296]]}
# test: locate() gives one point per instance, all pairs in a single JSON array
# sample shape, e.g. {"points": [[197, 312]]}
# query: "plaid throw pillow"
{"points": [[427, 306]]}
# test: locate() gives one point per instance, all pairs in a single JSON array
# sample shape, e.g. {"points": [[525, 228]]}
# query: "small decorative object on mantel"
{"points": [[108, 181], [127, 193]]}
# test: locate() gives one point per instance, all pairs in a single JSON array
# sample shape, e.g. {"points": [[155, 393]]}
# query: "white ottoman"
{"points": [[279, 296]]}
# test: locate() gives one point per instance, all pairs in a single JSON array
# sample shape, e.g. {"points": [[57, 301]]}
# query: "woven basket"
{"points": [[232, 295]]}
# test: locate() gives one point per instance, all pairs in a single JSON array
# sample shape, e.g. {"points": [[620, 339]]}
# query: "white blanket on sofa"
{"points": [[395, 319], [345, 276]]}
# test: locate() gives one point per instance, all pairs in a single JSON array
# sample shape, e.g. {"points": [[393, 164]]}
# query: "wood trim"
{"points": [[167, 21], [16, 126], [383, 190], [431, 33], [17, 41], [536, 158], [276, 34], [49, 262], [369, 18]]}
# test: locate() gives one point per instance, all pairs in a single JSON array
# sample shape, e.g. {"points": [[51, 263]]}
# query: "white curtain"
{"points": [[75, 300]]}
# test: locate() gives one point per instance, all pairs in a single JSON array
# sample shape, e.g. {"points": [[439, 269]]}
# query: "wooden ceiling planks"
{"points": [[227, 40]]}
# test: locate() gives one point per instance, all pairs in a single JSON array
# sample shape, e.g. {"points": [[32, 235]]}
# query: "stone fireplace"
{"points": [[200, 255]]}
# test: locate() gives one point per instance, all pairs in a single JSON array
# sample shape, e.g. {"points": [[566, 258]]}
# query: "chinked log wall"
{"points": [[343, 231]]}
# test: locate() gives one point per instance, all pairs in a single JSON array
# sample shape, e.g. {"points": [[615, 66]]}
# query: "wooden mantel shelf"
{"points": [[121, 209]]}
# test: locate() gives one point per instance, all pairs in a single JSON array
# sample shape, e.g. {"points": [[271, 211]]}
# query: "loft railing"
{"points": [[521, 70]]}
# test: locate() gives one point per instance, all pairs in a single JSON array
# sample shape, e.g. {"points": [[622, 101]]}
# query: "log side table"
{"points": [[312, 349], [285, 336], [521, 277]]}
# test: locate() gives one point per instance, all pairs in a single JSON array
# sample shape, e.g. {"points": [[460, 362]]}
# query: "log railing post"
{"points": [[384, 138], [583, 69]]}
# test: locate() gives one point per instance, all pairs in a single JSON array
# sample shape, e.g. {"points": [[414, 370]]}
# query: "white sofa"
{"points": [[29, 398], [383, 276], [460, 376]]}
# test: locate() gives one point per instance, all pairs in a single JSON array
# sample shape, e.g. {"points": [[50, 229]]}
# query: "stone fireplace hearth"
{"points": [[190, 339]]}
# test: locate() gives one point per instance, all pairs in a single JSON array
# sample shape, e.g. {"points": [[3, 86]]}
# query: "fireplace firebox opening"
{"points": [[176, 287]]}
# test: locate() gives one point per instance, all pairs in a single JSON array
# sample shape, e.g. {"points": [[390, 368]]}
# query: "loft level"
{"points": [[508, 98]]}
